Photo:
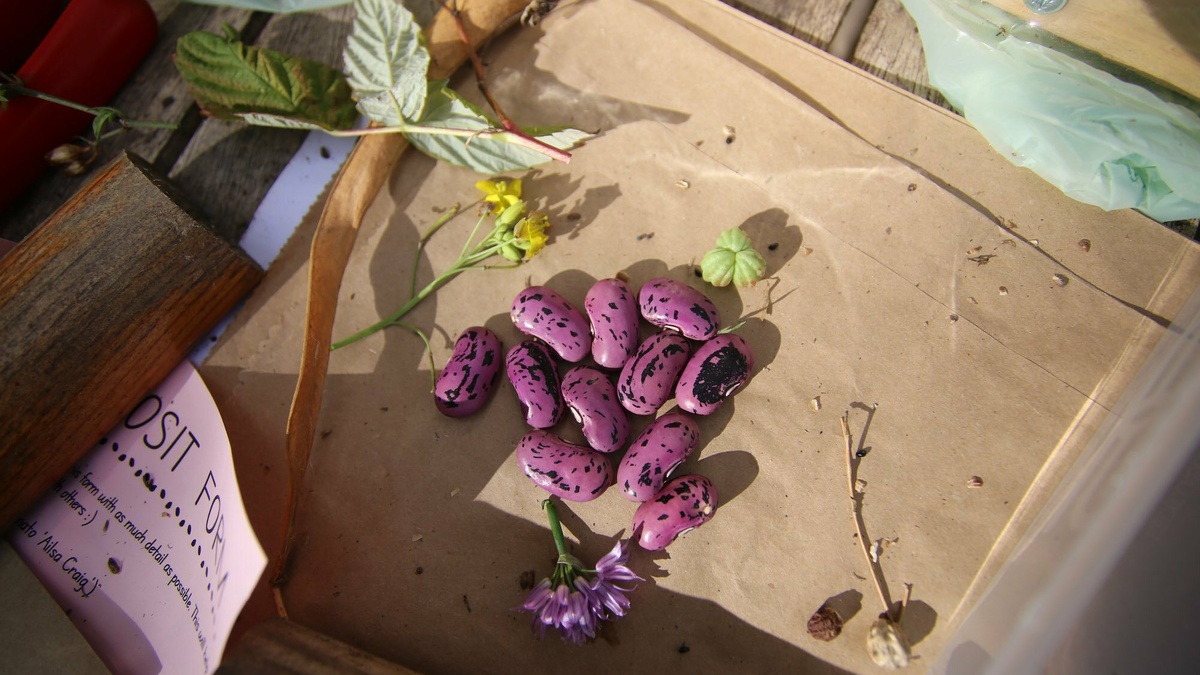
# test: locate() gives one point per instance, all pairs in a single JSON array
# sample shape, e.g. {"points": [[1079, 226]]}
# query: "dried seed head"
{"points": [[66, 154], [888, 645], [825, 624]]}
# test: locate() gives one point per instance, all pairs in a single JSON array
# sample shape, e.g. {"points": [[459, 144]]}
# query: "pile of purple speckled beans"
{"points": [[686, 359]]}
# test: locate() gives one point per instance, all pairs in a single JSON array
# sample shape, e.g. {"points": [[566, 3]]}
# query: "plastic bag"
{"points": [[1099, 139]]}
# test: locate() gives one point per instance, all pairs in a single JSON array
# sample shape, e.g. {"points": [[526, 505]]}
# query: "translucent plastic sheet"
{"points": [[1099, 139]]}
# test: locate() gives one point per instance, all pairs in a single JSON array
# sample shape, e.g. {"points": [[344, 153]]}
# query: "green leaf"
{"points": [[734, 259], [229, 79], [447, 110], [386, 62], [277, 121]]}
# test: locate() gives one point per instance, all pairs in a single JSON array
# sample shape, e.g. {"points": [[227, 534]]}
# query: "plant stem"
{"points": [[876, 573], [514, 136], [555, 527], [22, 90], [437, 224], [428, 350]]}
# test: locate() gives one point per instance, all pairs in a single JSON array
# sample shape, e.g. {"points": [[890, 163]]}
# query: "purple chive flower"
{"points": [[575, 600]]}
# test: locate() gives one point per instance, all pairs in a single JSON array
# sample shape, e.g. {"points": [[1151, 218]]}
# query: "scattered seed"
{"points": [[974, 251], [982, 259], [526, 580], [1004, 290], [972, 300], [574, 216], [114, 565], [324, 152], [417, 537], [682, 184], [454, 492], [825, 624], [953, 318], [1060, 279], [975, 482], [912, 187], [684, 648], [419, 570], [648, 235], [773, 247], [1085, 245], [814, 404], [699, 274], [1034, 242], [806, 251]]}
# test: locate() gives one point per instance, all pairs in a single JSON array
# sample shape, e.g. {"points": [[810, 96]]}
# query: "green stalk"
{"points": [[555, 528], [22, 90]]}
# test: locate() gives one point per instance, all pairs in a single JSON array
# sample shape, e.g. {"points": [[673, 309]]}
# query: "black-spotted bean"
{"points": [[718, 368], [592, 398], [546, 315], [531, 370], [682, 505], [571, 471], [465, 384], [612, 311], [648, 379], [672, 304], [655, 453]]}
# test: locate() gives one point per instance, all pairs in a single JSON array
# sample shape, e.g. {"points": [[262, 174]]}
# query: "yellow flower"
{"points": [[500, 194], [531, 234]]}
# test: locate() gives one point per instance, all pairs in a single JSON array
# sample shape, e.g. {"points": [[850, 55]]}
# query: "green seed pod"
{"points": [[734, 260]]}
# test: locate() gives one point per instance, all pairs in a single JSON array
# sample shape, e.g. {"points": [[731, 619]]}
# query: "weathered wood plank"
{"points": [[890, 48], [97, 306], [154, 92], [814, 21], [228, 166]]}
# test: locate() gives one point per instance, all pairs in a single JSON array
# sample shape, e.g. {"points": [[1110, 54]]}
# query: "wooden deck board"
{"points": [[890, 48]]}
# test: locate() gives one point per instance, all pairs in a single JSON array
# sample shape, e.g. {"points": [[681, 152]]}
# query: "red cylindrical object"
{"points": [[86, 57], [23, 24]]}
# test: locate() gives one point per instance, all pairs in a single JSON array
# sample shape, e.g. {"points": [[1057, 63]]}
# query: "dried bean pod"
{"points": [[682, 505], [546, 315], [717, 369], [592, 398], [612, 312], [465, 383], [571, 471], [668, 303], [655, 453], [648, 379], [531, 370]]}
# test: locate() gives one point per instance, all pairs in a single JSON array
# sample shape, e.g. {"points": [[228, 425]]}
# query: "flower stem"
{"points": [[876, 573], [22, 90], [555, 527], [437, 224]]}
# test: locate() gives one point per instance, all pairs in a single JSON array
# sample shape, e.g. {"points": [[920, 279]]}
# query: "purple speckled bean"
{"points": [[546, 315], [655, 453], [683, 504], [717, 369], [571, 471], [592, 398], [531, 370], [612, 311], [465, 383], [672, 304], [648, 379]]}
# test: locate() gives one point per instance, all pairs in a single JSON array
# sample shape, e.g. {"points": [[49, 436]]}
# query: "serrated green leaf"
{"points": [[277, 121], [386, 62], [446, 109], [229, 79]]}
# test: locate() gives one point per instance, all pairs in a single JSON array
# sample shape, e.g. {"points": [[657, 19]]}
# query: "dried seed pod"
{"points": [[888, 645], [825, 624]]}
